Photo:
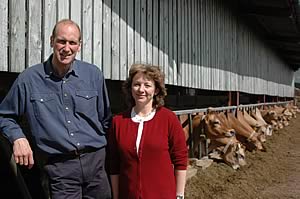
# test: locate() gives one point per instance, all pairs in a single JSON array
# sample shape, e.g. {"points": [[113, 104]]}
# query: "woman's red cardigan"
{"points": [[150, 174]]}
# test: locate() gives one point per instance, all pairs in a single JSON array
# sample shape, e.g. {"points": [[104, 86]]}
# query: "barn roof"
{"points": [[278, 21]]}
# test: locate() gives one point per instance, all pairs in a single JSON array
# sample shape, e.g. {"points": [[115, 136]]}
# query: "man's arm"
{"points": [[12, 107]]}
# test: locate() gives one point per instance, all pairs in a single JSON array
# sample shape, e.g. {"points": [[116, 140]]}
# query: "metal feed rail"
{"points": [[191, 112]]}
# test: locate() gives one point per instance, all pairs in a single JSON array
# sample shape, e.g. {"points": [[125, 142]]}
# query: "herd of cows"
{"points": [[228, 134]]}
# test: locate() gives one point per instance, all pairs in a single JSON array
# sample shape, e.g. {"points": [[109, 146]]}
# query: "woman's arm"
{"points": [[115, 186], [180, 176]]}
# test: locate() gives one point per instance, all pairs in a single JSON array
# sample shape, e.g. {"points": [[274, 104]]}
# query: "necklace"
{"points": [[146, 117]]}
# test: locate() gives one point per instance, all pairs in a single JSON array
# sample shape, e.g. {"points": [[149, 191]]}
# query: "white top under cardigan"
{"points": [[138, 119]]}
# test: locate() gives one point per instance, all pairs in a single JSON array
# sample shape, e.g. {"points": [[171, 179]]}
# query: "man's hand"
{"points": [[22, 152]]}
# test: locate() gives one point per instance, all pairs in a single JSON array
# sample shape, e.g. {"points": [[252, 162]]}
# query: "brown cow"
{"points": [[245, 134], [259, 126], [222, 138], [271, 117]]}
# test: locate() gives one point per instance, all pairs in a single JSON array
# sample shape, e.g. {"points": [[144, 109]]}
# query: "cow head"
{"points": [[223, 139]]}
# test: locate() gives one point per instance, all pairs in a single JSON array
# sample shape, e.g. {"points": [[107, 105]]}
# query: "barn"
{"points": [[213, 52]]}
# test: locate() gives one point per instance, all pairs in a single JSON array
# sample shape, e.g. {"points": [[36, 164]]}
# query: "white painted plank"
{"points": [[174, 31], [34, 52], [107, 39], [137, 31], [130, 33], [97, 33], [143, 25], [75, 14], [180, 45], [17, 40], [166, 40], [4, 35], [161, 46], [149, 23], [115, 31], [199, 46], [171, 71], [189, 46], [123, 40], [49, 14], [87, 31], [155, 27], [185, 43], [193, 45], [75, 10], [63, 9]]}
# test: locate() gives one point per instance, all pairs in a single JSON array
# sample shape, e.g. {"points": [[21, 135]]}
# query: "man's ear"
{"points": [[51, 41], [79, 48]]}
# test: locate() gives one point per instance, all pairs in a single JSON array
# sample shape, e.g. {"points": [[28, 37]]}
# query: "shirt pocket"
{"points": [[43, 104], [86, 102]]}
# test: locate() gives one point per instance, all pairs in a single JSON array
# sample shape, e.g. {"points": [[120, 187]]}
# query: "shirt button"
{"points": [[64, 81], [69, 121], [72, 134], [78, 144], [41, 100], [67, 108], [65, 94], [87, 96]]}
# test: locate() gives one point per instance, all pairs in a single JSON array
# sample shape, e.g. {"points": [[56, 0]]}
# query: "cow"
{"points": [[271, 117], [245, 133], [259, 126], [222, 138]]}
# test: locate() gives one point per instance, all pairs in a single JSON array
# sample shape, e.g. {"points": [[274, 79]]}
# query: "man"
{"points": [[66, 104]]}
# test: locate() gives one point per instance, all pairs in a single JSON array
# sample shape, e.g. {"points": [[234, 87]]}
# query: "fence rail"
{"points": [[190, 112]]}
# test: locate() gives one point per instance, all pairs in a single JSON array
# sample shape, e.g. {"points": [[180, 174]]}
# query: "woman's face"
{"points": [[143, 89]]}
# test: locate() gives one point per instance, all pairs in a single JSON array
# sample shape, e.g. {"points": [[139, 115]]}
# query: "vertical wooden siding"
{"points": [[4, 35], [198, 43]]}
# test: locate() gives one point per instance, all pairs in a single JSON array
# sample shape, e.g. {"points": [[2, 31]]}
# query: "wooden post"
{"points": [[229, 99], [237, 98]]}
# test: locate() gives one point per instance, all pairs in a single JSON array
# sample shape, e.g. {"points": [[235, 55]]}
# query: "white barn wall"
{"points": [[4, 35], [198, 44]]}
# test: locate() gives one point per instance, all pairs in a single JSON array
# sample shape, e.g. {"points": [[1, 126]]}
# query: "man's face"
{"points": [[65, 44]]}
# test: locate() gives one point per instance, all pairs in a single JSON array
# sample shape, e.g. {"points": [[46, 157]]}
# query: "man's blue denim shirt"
{"points": [[64, 114]]}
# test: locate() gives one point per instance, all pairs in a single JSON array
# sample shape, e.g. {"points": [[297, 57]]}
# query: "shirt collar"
{"points": [[74, 69], [136, 118]]}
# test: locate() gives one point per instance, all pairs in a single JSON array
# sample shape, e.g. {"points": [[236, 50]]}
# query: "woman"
{"points": [[147, 150]]}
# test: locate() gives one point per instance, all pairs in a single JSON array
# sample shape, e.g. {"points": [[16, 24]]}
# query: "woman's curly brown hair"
{"points": [[151, 72]]}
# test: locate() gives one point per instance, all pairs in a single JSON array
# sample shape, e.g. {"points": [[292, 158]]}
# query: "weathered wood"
{"points": [[49, 21], [130, 33], [115, 37], [34, 52], [62, 9], [166, 39], [175, 42], [143, 24], [17, 35], [87, 31], [149, 20], [107, 52], [170, 56], [155, 27], [75, 9], [4, 35], [123, 40], [161, 46], [97, 33], [198, 44]]}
